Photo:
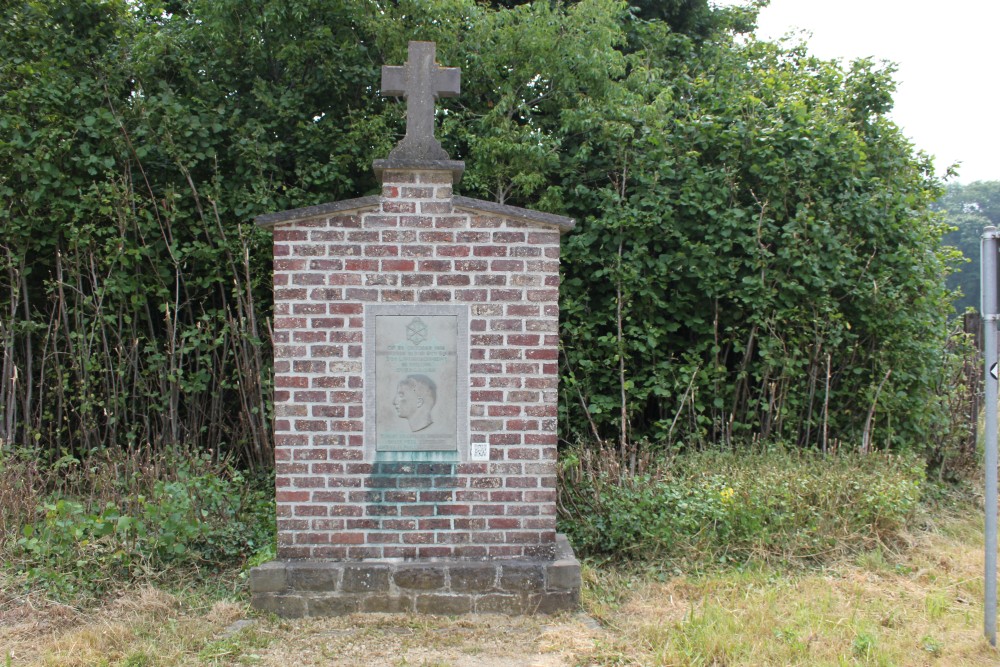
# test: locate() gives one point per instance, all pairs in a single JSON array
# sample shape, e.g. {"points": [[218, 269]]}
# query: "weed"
{"points": [[864, 645], [936, 604], [726, 508], [931, 645], [95, 529]]}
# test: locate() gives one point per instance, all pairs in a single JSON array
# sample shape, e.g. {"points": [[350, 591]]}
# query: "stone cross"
{"points": [[421, 81]]}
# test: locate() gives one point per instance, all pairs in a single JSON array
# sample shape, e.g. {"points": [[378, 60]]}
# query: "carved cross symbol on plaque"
{"points": [[421, 81]]}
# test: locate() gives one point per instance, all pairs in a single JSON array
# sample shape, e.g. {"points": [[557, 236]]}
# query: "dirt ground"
{"points": [[152, 627]]}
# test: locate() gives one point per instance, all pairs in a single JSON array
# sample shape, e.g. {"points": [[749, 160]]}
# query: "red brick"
{"points": [[290, 295], [507, 265], [491, 279], [416, 510], [453, 279], [527, 339], [381, 251], [475, 295], [346, 308], [326, 351], [309, 396], [490, 251], [344, 279], [327, 322], [419, 221], [452, 251], [361, 265], [543, 237], [471, 265], [347, 425], [327, 235], [291, 496], [342, 221], [310, 510], [505, 295], [320, 410], [289, 265], [309, 337], [397, 295], [391, 551], [326, 294], [360, 553], [398, 265], [436, 237], [326, 469], [343, 250], [543, 295], [507, 496], [398, 236], [503, 410], [362, 294], [542, 410], [326, 381], [309, 308], [507, 353], [434, 552], [525, 251], [290, 235], [435, 265], [451, 510], [382, 538], [473, 237]]}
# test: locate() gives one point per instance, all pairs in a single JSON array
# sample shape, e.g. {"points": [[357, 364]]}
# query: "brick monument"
{"points": [[415, 361]]}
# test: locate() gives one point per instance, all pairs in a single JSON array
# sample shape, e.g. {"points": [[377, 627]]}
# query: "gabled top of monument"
{"points": [[421, 82]]}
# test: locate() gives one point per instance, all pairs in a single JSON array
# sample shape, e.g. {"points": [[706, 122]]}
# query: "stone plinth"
{"points": [[293, 589]]}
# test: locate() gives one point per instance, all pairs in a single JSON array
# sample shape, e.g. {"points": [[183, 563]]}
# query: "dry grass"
{"points": [[919, 606]]}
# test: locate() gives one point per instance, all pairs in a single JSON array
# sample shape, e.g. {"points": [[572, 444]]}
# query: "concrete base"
{"points": [[297, 588]]}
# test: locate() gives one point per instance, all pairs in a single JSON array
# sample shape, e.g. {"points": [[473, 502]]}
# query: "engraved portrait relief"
{"points": [[415, 398], [415, 382]]}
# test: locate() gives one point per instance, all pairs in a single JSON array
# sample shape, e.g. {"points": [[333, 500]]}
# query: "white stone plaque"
{"points": [[417, 378]]}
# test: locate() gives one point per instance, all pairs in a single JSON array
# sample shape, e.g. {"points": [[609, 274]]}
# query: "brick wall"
{"points": [[415, 245]]}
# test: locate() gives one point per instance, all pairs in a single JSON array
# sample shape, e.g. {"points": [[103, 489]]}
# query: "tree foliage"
{"points": [[968, 209], [755, 253]]}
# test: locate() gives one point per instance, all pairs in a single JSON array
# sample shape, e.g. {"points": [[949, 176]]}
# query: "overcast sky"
{"points": [[947, 58]]}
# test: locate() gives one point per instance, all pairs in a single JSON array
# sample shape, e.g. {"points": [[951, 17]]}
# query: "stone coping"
{"points": [[319, 211], [456, 167], [293, 589], [563, 223], [481, 206]]}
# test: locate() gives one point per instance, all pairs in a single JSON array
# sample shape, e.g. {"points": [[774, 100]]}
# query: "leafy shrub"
{"points": [[198, 515], [723, 506]]}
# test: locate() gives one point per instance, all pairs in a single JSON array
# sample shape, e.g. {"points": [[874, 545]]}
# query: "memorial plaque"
{"points": [[418, 377]]}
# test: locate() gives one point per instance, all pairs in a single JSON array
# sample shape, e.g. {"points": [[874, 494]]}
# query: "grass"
{"points": [[917, 604]]}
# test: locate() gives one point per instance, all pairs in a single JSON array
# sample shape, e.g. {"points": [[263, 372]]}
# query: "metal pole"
{"points": [[989, 305]]}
